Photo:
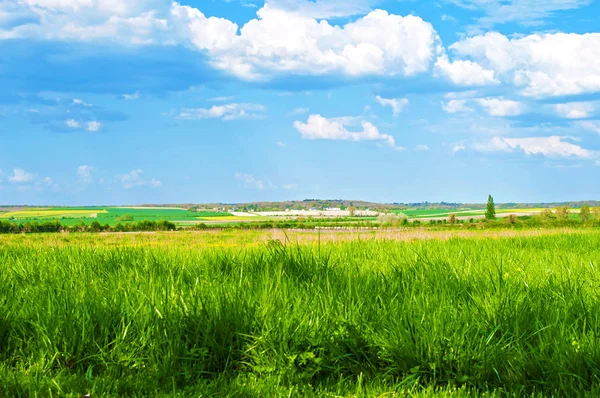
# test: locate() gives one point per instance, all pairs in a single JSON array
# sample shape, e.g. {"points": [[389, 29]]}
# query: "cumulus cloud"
{"points": [[284, 41], [421, 148], [20, 176], [84, 173], [134, 179], [542, 65], [47, 181], [554, 146], [318, 127], [575, 110], [93, 126], [253, 182], [286, 36], [456, 106], [225, 112], [501, 107], [397, 104], [464, 73], [72, 124]]}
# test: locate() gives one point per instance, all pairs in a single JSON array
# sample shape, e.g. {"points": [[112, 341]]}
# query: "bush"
{"points": [[562, 213]]}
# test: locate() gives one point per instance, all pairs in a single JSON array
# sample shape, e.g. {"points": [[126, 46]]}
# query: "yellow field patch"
{"points": [[50, 213], [233, 218]]}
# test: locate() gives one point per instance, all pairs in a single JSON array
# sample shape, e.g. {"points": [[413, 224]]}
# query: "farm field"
{"points": [[182, 217], [107, 215], [276, 313]]}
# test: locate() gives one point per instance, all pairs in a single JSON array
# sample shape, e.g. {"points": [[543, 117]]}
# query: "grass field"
{"points": [[240, 314]]}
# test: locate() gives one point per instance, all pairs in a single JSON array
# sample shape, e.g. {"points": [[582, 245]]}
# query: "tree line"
{"points": [[7, 227]]}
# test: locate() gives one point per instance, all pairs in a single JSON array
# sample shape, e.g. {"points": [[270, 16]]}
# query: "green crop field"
{"points": [[106, 215], [239, 314]]}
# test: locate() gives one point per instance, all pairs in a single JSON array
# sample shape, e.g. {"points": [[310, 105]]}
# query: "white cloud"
{"points": [[591, 125], [131, 97], [84, 173], [421, 148], [458, 147], [47, 181], [554, 146], [81, 102], [397, 104], [318, 127], [290, 187], [124, 22], [501, 107], [324, 9], [456, 106], [530, 13], [464, 73], [298, 111], [281, 144], [286, 36], [225, 112], [72, 123], [20, 176], [286, 41], [450, 18], [543, 65], [94, 126], [222, 99], [251, 181], [575, 110], [134, 179]]}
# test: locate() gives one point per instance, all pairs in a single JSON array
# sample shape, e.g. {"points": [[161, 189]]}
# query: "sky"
{"points": [[201, 101]]}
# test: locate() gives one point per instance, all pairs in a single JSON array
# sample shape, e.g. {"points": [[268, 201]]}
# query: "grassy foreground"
{"points": [[481, 316]]}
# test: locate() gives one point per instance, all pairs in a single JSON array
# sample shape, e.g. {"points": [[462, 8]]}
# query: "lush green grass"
{"points": [[120, 316]]}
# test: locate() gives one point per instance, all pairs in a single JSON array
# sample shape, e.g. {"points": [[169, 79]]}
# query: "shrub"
{"points": [[562, 213], [584, 213], [452, 219]]}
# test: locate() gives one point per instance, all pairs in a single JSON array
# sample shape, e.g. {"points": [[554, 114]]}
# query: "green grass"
{"points": [[160, 315]]}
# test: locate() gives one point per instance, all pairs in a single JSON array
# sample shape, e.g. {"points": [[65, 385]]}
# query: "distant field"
{"points": [[107, 215], [53, 213]]}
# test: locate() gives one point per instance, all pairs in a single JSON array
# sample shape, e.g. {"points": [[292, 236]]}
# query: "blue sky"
{"points": [[155, 101]]}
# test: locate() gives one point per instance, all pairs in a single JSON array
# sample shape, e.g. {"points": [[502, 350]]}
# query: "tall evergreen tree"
{"points": [[490, 212]]}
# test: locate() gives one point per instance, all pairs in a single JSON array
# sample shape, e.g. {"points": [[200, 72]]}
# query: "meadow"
{"points": [[275, 313]]}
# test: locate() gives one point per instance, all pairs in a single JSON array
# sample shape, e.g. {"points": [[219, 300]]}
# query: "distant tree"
{"points": [[584, 213], [351, 209], [452, 219], [547, 214], [95, 227], [562, 213], [490, 212], [512, 219], [596, 212]]}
